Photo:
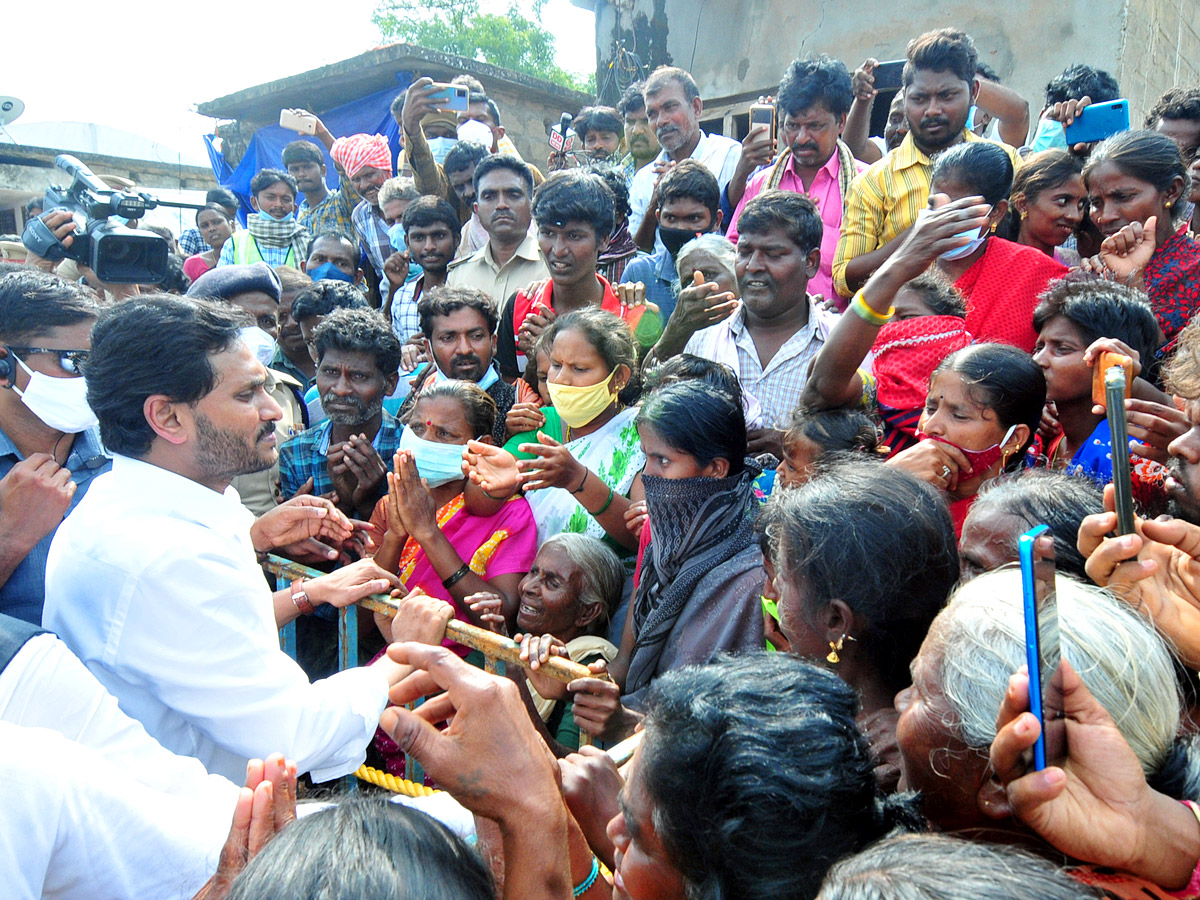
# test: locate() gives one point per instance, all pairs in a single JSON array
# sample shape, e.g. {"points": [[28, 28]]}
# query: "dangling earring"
{"points": [[832, 657]]}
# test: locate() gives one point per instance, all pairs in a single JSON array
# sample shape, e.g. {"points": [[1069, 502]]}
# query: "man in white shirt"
{"points": [[156, 587], [673, 106]]}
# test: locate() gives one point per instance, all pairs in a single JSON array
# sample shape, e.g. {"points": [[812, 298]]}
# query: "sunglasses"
{"points": [[71, 361]]}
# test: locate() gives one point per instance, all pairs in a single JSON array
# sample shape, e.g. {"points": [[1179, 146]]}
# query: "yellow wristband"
{"points": [[860, 308]]}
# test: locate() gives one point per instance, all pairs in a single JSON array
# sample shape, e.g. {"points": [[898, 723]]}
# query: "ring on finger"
{"points": [[945, 471]]}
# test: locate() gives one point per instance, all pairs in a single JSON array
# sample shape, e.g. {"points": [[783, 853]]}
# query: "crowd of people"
{"points": [[748, 431]]}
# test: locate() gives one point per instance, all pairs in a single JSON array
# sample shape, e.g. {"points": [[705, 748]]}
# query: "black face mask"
{"points": [[674, 238]]}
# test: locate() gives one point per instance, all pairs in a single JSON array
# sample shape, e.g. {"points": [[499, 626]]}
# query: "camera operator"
{"points": [[62, 225]]}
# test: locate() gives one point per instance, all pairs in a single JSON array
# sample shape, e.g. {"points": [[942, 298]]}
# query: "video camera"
{"points": [[118, 255]]}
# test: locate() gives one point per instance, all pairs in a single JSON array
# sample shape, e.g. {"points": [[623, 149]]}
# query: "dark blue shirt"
{"points": [[23, 594], [657, 272]]}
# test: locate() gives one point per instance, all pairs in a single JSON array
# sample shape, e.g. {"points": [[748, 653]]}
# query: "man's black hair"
{"points": [[493, 109], [819, 79], [464, 155], [359, 331], [322, 297], [1079, 81], [690, 179], [445, 301], [575, 195], [503, 161], [303, 152], [268, 177], [1176, 103], [794, 213], [32, 302], [943, 50], [598, 118], [429, 210], [632, 100], [222, 197]]}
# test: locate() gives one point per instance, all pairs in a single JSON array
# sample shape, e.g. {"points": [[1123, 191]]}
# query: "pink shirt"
{"points": [[827, 194]]}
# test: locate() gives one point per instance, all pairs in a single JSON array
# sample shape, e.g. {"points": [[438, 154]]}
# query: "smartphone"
{"points": [[1107, 360], [1043, 645], [450, 96], [1097, 122], [298, 123], [889, 76], [763, 114], [1116, 384]]}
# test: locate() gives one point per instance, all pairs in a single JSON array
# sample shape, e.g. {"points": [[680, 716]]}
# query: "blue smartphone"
{"points": [[1043, 645], [1097, 122], [453, 97]]}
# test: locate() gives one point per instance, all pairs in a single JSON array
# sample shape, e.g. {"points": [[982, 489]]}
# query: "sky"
{"points": [[140, 65]]}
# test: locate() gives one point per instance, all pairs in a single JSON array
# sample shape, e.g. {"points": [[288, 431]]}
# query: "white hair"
{"points": [[715, 245], [1116, 651]]}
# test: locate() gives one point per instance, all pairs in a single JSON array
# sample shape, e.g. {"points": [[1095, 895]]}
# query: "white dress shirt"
{"points": [[152, 582], [719, 155], [76, 827]]}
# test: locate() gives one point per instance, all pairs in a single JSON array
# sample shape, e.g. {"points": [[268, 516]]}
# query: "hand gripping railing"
{"points": [[496, 648]]}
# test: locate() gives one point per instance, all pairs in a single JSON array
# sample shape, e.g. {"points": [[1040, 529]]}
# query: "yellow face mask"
{"points": [[577, 406]]}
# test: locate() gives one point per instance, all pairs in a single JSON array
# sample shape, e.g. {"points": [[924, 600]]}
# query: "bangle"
{"points": [[860, 308], [582, 481], [456, 577], [300, 598], [1193, 887], [607, 504], [591, 879]]}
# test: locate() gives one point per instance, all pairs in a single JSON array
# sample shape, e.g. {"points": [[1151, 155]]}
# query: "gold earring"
{"points": [[832, 656]]}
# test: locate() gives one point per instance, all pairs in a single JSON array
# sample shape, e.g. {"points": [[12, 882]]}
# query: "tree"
{"points": [[511, 40]]}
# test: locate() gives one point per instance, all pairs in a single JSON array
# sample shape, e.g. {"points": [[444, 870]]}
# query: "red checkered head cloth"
{"points": [[906, 353], [358, 150]]}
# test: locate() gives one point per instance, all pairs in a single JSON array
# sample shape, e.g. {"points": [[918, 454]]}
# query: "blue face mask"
{"points": [[439, 147], [437, 463], [328, 271], [266, 215], [396, 237]]}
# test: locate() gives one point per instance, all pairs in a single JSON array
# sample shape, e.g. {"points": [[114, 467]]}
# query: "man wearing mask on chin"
{"points": [[272, 233], [49, 446], [689, 204], [940, 87], [459, 327], [367, 161]]}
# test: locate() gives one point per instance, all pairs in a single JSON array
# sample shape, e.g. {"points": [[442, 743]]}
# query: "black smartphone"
{"points": [[1043, 644], [889, 76]]}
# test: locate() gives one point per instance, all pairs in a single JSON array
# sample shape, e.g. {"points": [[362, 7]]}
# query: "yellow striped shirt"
{"points": [[884, 200]]}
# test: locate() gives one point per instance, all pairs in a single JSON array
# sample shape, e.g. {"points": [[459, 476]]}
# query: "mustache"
{"points": [[667, 129], [267, 429], [933, 123], [465, 359], [800, 148]]}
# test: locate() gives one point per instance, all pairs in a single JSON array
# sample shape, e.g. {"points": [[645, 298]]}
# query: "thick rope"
{"points": [[392, 783]]}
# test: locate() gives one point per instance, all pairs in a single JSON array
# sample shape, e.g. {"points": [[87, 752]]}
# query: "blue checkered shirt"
{"points": [[190, 243], [305, 456], [372, 233]]}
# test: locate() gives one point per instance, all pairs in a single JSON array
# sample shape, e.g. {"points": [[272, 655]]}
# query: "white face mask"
{"points": [[261, 344], [977, 236], [439, 147], [476, 132], [61, 403]]}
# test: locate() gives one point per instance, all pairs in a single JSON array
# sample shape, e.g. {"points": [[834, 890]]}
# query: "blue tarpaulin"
{"points": [[366, 115]]}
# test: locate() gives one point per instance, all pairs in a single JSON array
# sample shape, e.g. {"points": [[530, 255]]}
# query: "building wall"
{"points": [[737, 47], [527, 122]]}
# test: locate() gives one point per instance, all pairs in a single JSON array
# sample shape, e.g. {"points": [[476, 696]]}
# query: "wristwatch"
{"points": [[300, 598]]}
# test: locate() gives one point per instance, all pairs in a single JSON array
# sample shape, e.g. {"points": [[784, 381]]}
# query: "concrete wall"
{"points": [[734, 48], [1161, 43], [526, 121]]}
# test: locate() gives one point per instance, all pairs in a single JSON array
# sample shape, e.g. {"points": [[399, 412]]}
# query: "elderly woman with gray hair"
{"points": [[960, 680], [572, 588]]}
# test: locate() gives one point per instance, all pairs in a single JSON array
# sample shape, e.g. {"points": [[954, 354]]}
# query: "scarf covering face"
{"points": [[698, 524], [620, 244], [272, 233], [358, 150]]}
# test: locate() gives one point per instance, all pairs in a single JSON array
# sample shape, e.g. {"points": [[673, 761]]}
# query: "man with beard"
{"points": [[778, 328], [367, 161], [459, 326], [152, 581], [814, 98], [431, 233], [347, 457], [673, 107], [940, 86], [509, 260], [640, 141]]}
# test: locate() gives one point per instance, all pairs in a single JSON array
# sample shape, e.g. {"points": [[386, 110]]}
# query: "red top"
{"points": [[1002, 289]]}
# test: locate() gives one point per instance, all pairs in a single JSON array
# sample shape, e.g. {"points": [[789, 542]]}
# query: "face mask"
{"points": [[61, 403], [977, 236], [266, 215], [396, 238], [980, 460], [674, 238], [476, 133], [437, 463], [261, 344], [490, 376], [328, 271], [439, 147], [579, 405]]}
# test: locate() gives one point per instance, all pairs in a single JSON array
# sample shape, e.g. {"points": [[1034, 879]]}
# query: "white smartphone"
{"points": [[298, 123]]}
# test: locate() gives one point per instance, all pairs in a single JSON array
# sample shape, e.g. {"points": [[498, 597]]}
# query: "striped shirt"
{"points": [[884, 201], [333, 214]]}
